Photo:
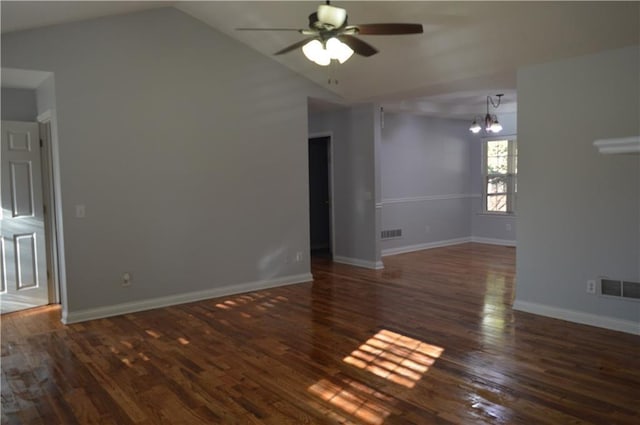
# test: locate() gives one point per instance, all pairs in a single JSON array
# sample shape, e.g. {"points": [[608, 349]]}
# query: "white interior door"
{"points": [[23, 280]]}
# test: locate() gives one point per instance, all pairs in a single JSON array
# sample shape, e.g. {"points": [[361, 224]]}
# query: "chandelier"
{"points": [[491, 124]]}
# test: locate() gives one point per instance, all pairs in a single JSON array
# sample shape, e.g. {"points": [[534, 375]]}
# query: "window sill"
{"points": [[497, 214]]}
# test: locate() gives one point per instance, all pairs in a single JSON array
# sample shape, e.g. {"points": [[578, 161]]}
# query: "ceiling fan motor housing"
{"points": [[317, 25], [331, 17]]}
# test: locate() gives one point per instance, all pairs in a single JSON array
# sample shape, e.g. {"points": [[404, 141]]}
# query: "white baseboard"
{"points": [[420, 247], [492, 241], [132, 307], [578, 317], [374, 265]]}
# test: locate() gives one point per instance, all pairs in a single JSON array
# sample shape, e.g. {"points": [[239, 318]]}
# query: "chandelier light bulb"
{"points": [[475, 127]]}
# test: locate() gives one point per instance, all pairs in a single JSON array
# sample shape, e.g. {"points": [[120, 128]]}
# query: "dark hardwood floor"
{"points": [[430, 339]]}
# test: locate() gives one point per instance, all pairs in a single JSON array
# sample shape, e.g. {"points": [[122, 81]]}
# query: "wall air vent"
{"points": [[611, 287], [620, 289], [631, 289], [391, 234]]}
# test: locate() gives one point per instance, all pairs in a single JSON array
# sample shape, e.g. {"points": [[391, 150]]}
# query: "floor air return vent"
{"points": [[391, 234]]}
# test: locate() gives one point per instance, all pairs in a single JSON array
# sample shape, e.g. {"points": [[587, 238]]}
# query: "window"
{"points": [[500, 169]]}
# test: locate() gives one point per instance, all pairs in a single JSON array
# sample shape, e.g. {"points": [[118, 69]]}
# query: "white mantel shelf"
{"points": [[618, 146]]}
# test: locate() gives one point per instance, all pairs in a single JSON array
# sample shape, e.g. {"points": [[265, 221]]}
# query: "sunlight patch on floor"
{"points": [[152, 333], [353, 398], [262, 301], [395, 357]]}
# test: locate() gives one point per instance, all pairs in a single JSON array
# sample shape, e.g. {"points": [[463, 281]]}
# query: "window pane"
{"points": [[497, 147], [496, 185], [497, 203], [497, 157], [497, 164]]}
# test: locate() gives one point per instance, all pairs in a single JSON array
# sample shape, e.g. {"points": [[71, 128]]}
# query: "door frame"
{"points": [[53, 218], [332, 235]]}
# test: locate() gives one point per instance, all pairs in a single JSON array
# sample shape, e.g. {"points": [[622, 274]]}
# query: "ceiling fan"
{"points": [[331, 37]]}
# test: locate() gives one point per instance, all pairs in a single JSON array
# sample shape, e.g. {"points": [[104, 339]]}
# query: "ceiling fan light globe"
{"points": [[334, 16], [338, 50], [345, 54], [312, 50], [316, 52], [324, 59]]}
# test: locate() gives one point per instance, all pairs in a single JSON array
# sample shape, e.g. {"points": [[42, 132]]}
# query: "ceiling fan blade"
{"points": [[358, 46], [269, 29], [294, 46], [389, 29]]}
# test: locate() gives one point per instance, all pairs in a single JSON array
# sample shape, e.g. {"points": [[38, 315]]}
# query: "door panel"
{"points": [[21, 189], [19, 141], [27, 271], [23, 257]]}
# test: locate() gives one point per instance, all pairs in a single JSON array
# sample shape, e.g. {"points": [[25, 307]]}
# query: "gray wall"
{"points": [[424, 160], [579, 211], [187, 148], [18, 104], [46, 95], [492, 227], [353, 140]]}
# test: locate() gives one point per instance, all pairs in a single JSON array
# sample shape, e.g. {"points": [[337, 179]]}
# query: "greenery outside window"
{"points": [[500, 171]]}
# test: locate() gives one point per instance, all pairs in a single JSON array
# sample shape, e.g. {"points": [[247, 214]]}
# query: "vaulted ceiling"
{"points": [[468, 49]]}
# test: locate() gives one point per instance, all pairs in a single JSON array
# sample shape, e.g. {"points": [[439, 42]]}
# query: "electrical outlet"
{"points": [[80, 211], [298, 256], [508, 227], [126, 279], [591, 286]]}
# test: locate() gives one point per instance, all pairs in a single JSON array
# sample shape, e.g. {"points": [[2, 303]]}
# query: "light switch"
{"points": [[80, 211]]}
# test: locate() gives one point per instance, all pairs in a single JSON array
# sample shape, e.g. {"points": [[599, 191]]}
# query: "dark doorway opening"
{"points": [[320, 196]]}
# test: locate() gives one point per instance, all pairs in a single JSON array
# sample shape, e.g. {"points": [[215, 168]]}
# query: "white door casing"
{"points": [[23, 274]]}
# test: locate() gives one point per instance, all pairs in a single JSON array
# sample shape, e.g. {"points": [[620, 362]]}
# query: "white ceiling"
{"points": [[22, 15], [469, 49]]}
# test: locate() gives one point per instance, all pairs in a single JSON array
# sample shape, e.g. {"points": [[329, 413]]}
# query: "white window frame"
{"points": [[512, 177]]}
